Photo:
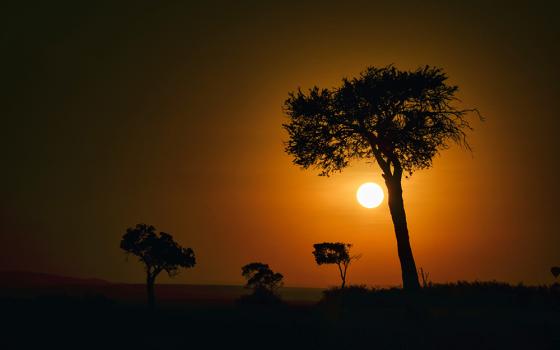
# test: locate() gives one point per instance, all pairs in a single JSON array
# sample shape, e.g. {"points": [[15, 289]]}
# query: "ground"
{"points": [[457, 316]]}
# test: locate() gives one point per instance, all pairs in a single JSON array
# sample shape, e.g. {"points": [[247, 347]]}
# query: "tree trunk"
{"points": [[150, 281], [396, 206], [342, 276]]}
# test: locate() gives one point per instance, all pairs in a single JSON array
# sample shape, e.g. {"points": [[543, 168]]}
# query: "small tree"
{"points": [[555, 270], [398, 119], [334, 253], [158, 252], [261, 278]]}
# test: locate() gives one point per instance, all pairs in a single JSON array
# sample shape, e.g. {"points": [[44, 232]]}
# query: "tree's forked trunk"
{"points": [[396, 207]]}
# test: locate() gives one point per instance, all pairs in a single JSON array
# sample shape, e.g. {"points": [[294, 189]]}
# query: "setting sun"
{"points": [[370, 195]]}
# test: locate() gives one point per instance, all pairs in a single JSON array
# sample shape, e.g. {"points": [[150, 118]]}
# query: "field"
{"points": [[452, 316]]}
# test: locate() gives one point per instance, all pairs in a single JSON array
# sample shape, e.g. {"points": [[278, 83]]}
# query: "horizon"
{"points": [[169, 281]]}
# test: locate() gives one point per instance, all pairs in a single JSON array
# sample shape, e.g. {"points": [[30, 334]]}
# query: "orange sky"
{"points": [[171, 115]]}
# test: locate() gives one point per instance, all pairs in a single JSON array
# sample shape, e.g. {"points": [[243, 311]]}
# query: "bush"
{"points": [[491, 294], [260, 297]]}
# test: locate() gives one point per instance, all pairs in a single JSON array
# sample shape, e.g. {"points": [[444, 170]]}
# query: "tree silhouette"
{"points": [[158, 252], [334, 253], [261, 278], [400, 119], [555, 270]]}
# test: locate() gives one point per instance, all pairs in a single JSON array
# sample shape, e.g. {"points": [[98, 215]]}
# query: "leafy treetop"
{"points": [[159, 252], [331, 253], [402, 119], [260, 277]]}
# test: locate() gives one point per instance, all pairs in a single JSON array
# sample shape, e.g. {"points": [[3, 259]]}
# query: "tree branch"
{"points": [[374, 143]]}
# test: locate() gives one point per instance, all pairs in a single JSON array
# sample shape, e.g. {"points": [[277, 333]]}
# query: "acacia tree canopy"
{"points": [[260, 277], [158, 252], [402, 119], [331, 253]]}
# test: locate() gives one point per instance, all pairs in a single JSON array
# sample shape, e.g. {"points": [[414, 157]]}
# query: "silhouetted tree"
{"points": [[261, 278], [401, 119], [158, 252], [334, 253], [555, 270]]}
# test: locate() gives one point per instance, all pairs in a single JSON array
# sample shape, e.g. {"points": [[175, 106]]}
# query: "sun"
{"points": [[370, 195]]}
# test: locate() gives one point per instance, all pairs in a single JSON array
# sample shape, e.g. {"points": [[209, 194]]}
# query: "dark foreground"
{"points": [[458, 316]]}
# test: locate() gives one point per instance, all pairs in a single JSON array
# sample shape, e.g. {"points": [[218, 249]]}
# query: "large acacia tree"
{"points": [[399, 119]]}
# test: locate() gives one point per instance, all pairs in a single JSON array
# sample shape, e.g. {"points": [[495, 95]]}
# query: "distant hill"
{"points": [[33, 284], [24, 279]]}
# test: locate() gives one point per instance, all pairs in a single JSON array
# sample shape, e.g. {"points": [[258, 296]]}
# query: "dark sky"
{"points": [[169, 113]]}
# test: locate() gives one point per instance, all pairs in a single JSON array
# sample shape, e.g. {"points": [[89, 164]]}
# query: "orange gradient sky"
{"points": [[170, 114]]}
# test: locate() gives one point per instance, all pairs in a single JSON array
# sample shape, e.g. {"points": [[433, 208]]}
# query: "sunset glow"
{"points": [[177, 122], [298, 174]]}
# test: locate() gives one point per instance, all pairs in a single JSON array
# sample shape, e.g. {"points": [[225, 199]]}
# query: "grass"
{"points": [[463, 315]]}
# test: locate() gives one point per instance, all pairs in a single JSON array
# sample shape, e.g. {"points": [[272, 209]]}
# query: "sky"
{"points": [[170, 113]]}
